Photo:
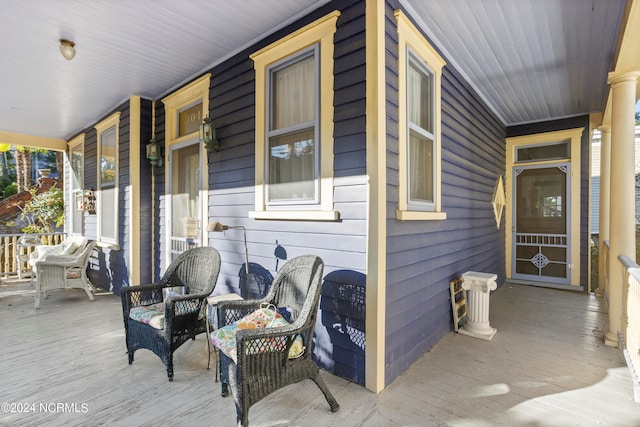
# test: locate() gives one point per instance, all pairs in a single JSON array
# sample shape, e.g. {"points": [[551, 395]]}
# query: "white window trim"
{"points": [[71, 145], [318, 32], [103, 126], [410, 38], [195, 92]]}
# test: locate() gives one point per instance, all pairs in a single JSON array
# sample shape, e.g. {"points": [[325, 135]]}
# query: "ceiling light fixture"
{"points": [[67, 49]]}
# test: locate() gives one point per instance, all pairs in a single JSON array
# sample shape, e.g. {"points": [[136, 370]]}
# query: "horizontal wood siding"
{"points": [[159, 205], [108, 269], [585, 170], [144, 257], [423, 256], [341, 244]]}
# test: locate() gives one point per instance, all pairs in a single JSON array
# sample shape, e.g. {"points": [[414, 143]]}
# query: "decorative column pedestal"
{"points": [[478, 287]]}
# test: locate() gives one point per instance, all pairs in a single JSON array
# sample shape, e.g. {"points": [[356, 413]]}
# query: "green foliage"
{"points": [[10, 190], [8, 186], [45, 211]]}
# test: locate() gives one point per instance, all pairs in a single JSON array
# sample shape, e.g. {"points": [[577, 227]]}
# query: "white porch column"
{"points": [[622, 237], [605, 180]]}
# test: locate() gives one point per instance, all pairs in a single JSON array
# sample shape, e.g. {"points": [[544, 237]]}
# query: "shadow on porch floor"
{"points": [[546, 366]]}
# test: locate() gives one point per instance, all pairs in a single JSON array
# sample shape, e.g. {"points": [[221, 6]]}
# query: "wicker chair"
{"points": [[63, 272], [182, 316], [263, 363]]}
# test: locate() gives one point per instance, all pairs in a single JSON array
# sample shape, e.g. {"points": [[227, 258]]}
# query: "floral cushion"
{"points": [[152, 315], [225, 337]]}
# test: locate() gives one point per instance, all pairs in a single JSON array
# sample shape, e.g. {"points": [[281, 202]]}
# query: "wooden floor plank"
{"points": [[546, 366]]}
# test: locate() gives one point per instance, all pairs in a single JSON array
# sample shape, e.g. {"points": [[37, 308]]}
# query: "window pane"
{"points": [[189, 120], [420, 169], [543, 152], [108, 158], [292, 160], [293, 92], [77, 166], [420, 99], [107, 213], [185, 188]]}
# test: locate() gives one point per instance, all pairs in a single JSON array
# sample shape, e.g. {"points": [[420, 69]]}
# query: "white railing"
{"points": [[631, 317], [13, 256]]}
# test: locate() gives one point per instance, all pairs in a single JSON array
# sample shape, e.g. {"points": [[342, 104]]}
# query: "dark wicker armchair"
{"points": [[162, 325], [263, 361]]}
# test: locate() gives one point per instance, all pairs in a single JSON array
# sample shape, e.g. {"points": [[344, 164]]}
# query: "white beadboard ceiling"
{"points": [[530, 60]]}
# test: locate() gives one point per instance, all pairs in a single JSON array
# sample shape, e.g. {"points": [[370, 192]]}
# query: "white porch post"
{"points": [[605, 179], [622, 193]]}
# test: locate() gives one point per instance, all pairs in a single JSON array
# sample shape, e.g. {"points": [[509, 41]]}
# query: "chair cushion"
{"points": [[69, 249], [225, 338], [152, 315], [73, 274]]}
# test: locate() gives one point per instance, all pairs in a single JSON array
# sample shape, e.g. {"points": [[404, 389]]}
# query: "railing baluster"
{"points": [[9, 264]]}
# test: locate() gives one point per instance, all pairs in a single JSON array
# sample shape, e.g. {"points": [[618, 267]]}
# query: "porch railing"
{"points": [[631, 317], [13, 256]]}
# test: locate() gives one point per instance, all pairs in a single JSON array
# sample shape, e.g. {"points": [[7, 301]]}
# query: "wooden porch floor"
{"points": [[546, 366]]}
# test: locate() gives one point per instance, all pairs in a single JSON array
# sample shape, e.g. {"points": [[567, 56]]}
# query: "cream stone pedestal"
{"points": [[478, 287]]}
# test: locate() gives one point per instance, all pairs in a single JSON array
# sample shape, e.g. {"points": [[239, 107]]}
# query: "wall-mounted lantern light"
{"points": [[89, 201], [208, 135], [154, 153]]}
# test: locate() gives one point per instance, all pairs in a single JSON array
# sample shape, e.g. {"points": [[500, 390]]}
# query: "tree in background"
{"points": [[23, 168], [44, 212]]}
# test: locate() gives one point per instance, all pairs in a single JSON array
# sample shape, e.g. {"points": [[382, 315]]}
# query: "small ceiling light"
{"points": [[67, 49]]}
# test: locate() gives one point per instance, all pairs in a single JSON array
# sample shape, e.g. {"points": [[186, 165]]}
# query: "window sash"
{"points": [[108, 196], [108, 158], [421, 147], [77, 174], [292, 152]]}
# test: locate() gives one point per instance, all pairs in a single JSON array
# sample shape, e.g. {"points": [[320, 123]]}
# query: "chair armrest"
{"points": [[133, 296], [61, 260], [270, 341], [232, 311]]}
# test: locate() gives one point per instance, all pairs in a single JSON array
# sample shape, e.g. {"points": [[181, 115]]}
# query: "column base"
{"points": [[484, 334], [599, 292], [611, 340]]}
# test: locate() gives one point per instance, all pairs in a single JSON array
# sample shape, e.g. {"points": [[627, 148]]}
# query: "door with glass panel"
{"points": [[185, 183], [542, 215]]}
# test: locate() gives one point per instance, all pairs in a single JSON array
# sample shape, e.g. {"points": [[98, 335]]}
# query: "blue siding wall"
{"points": [[341, 244], [109, 269], [423, 256]]}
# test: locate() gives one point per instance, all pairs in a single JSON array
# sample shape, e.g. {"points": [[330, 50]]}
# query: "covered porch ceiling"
{"points": [[530, 60]]}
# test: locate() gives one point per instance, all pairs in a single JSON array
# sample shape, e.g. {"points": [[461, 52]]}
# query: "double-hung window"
{"points": [[292, 131], [76, 163], [419, 150], [108, 180], [294, 125]]}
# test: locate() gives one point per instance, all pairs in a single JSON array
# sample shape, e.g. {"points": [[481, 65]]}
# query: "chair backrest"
{"points": [[196, 269], [297, 286]]}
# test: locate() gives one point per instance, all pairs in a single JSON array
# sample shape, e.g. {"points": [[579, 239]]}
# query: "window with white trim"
{"points": [[107, 194], [294, 125], [419, 150], [292, 131], [76, 162]]}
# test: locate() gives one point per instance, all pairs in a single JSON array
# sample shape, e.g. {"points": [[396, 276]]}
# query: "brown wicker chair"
{"points": [[263, 363], [197, 271]]}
